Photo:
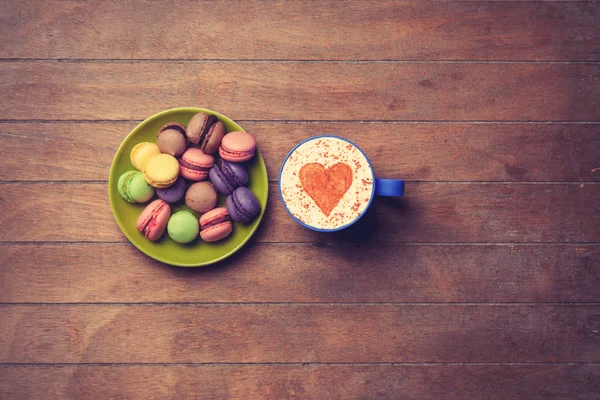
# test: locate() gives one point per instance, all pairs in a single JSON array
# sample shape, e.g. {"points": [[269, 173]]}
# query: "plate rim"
{"points": [[112, 179]]}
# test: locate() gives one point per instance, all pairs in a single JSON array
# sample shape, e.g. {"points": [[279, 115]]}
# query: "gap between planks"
{"points": [[266, 61], [301, 364], [304, 304], [307, 121], [336, 244], [274, 182]]}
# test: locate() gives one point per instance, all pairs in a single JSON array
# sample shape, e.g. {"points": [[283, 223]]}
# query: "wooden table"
{"points": [[483, 283]]}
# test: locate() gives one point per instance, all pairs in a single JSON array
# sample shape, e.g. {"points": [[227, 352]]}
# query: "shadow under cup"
{"points": [[305, 200]]}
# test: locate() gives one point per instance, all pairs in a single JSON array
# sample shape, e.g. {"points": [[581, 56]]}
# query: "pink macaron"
{"points": [[152, 222], [194, 164], [237, 146], [215, 225]]}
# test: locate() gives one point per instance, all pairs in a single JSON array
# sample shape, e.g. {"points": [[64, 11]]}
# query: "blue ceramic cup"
{"points": [[336, 196]]}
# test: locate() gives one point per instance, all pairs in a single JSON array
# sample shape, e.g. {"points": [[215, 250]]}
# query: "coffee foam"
{"points": [[327, 151]]}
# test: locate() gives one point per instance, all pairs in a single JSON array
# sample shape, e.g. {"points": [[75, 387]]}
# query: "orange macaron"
{"points": [[194, 164], [237, 146], [215, 225]]}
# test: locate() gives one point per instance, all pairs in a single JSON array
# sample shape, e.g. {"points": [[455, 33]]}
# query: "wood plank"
{"points": [[361, 30], [303, 90], [422, 382], [305, 273], [463, 152], [430, 213], [299, 333]]}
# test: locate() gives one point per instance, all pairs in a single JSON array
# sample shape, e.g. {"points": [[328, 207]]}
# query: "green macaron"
{"points": [[133, 187], [183, 227]]}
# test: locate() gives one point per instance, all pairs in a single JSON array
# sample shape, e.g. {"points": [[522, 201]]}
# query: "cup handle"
{"points": [[389, 187]]}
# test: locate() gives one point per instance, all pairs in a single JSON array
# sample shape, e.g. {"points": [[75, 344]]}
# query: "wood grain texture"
{"points": [[414, 382], [360, 30], [429, 151], [430, 213], [115, 273], [303, 90], [299, 333], [484, 290]]}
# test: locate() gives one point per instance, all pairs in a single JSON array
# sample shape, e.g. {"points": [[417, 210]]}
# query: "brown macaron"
{"points": [[201, 197], [206, 132], [171, 139]]}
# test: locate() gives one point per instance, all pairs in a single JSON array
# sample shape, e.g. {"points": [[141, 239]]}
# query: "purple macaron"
{"points": [[242, 205], [228, 176], [173, 193]]}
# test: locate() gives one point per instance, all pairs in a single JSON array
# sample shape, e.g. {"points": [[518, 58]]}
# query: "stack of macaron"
{"points": [[183, 166]]}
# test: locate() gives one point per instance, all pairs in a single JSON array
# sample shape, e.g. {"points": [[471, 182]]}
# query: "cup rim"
{"points": [[312, 228]]}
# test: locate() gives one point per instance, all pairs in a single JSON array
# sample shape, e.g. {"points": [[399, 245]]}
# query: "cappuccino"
{"points": [[326, 183]]}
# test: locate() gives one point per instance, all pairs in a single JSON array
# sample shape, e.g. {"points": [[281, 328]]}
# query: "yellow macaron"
{"points": [[141, 153], [161, 171]]}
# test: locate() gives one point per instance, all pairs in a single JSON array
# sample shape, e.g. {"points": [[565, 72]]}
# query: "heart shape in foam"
{"points": [[326, 186]]}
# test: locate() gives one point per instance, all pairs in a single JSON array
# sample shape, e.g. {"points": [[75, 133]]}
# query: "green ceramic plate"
{"points": [[197, 253]]}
